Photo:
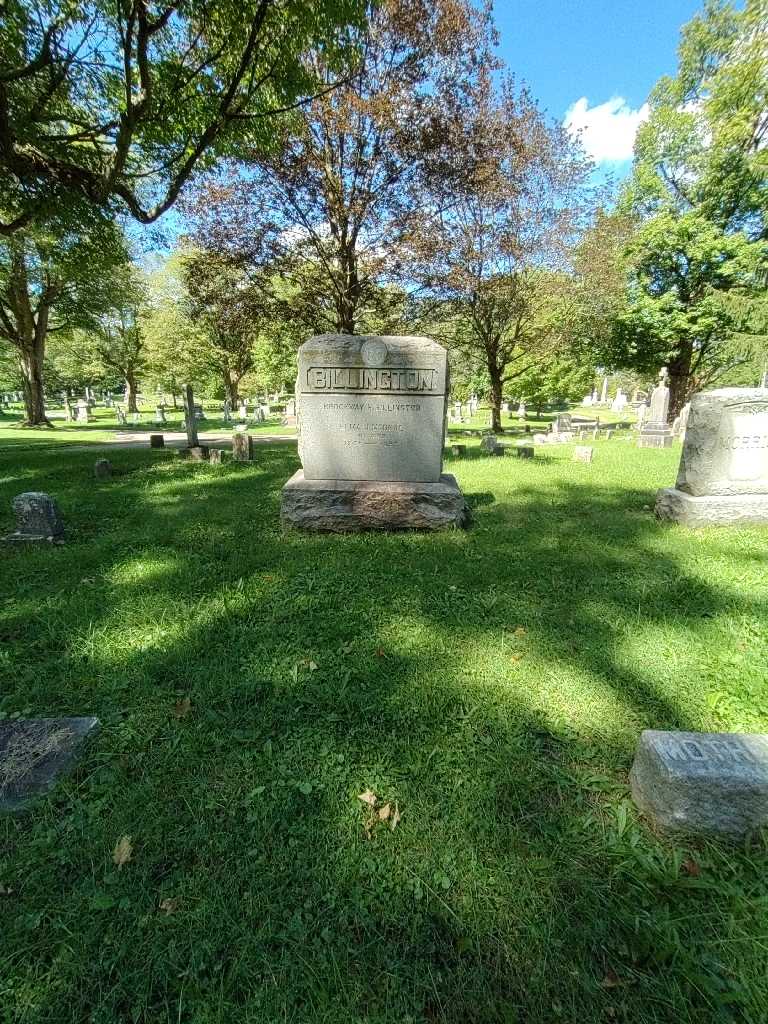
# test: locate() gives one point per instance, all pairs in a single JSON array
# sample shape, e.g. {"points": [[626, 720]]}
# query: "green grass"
{"points": [[491, 682]]}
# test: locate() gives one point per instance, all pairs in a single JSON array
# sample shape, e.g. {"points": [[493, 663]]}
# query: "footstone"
{"points": [[702, 783], [353, 505], [525, 451], [37, 518], [157, 441], [242, 447], [102, 469], [198, 453], [34, 752], [583, 453]]}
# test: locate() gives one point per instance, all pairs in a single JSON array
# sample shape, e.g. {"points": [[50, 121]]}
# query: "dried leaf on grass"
{"points": [[368, 798], [182, 708], [123, 852], [170, 905]]}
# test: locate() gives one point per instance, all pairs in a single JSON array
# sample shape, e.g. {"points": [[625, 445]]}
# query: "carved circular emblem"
{"points": [[374, 352]]}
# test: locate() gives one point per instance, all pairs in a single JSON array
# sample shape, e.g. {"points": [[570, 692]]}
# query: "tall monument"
{"points": [[656, 431]]}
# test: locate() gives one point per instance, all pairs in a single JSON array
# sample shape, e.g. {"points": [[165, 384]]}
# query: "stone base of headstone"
{"points": [[711, 510], [655, 439], [713, 784], [340, 506], [198, 453], [525, 451], [34, 752], [156, 441]]}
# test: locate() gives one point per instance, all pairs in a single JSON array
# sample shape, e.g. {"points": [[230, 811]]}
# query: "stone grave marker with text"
{"points": [[34, 752], [37, 519]]}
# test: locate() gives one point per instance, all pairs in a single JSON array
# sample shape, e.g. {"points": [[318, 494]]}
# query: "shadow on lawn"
{"points": [[505, 894]]}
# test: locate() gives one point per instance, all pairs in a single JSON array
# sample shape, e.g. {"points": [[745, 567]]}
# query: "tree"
{"points": [[48, 282], [116, 105], [332, 203], [562, 378], [698, 191], [492, 249], [118, 339]]}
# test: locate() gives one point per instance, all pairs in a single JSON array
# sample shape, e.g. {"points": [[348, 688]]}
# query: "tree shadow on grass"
{"points": [[476, 679]]}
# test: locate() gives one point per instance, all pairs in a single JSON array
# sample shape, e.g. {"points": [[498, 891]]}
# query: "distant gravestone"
{"points": [[102, 469], [458, 450], [160, 415], [712, 784], [242, 411], [723, 474], [525, 451], [491, 446], [34, 752], [656, 432], [157, 441], [371, 419], [583, 453], [197, 452], [242, 447], [120, 416], [563, 423], [216, 456], [82, 412], [37, 518]]}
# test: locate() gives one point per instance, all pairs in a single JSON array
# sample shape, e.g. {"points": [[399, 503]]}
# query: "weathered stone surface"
{"points": [[371, 407], [156, 441], [726, 443], [702, 783], [34, 752], [490, 445], [242, 447], [583, 453], [346, 505], [711, 510], [102, 469], [458, 449], [198, 452], [216, 456], [525, 451], [37, 518], [655, 439], [563, 423]]}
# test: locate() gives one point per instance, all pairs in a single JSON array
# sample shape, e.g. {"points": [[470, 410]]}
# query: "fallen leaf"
{"points": [[368, 797], [182, 708], [313, 666], [122, 852], [170, 906], [691, 868], [380, 652], [384, 812], [395, 818], [611, 979], [520, 631], [516, 657]]}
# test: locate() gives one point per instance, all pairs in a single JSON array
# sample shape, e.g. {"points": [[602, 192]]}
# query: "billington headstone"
{"points": [[705, 783], [371, 423], [723, 474]]}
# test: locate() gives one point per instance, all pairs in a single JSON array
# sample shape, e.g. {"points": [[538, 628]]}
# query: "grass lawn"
{"points": [[491, 684]]}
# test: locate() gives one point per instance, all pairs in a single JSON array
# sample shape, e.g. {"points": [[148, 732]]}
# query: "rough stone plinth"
{"points": [[711, 509], [156, 441], [525, 451], [37, 519], [340, 506], [34, 752], [242, 447], [198, 452], [583, 453], [702, 783], [216, 456]]}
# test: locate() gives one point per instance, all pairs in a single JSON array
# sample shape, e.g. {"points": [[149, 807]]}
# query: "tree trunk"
{"points": [[232, 388], [130, 391], [31, 362], [496, 389], [679, 382]]}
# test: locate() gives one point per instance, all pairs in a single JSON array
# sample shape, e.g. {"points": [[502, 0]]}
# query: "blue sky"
{"points": [[588, 53]]}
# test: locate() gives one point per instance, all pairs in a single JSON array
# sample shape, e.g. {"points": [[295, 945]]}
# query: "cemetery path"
{"points": [[175, 439]]}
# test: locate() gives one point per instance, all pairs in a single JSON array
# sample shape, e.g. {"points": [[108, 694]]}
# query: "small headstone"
{"points": [[82, 412], [583, 453], [563, 423], [199, 412], [608, 435], [242, 411], [102, 469], [160, 415], [37, 518], [458, 450], [216, 456], [157, 441], [198, 452], [491, 446], [525, 451], [34, 752], [702, 783], [120, 416], [656, 432], [242, 447]]}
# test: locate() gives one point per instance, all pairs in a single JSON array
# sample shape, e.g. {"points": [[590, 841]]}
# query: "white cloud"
{"points": [[607, 131]]}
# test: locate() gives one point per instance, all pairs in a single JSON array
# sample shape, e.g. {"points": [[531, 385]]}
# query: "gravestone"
{"points": [[157, 441], [491, 446], [199, 412], [37, 519], [34, 752], [242, 411], [713, 784], [604, 392], [458, 450], [583, 453], [160, 415], [525, 451], [242, 447], [120, 416], [522, 412], [197, 452], [656, 432], [82, 412], [216, 456], [102, 469], [563, 423], [227, 411], [723, 475], [371, 422]]}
